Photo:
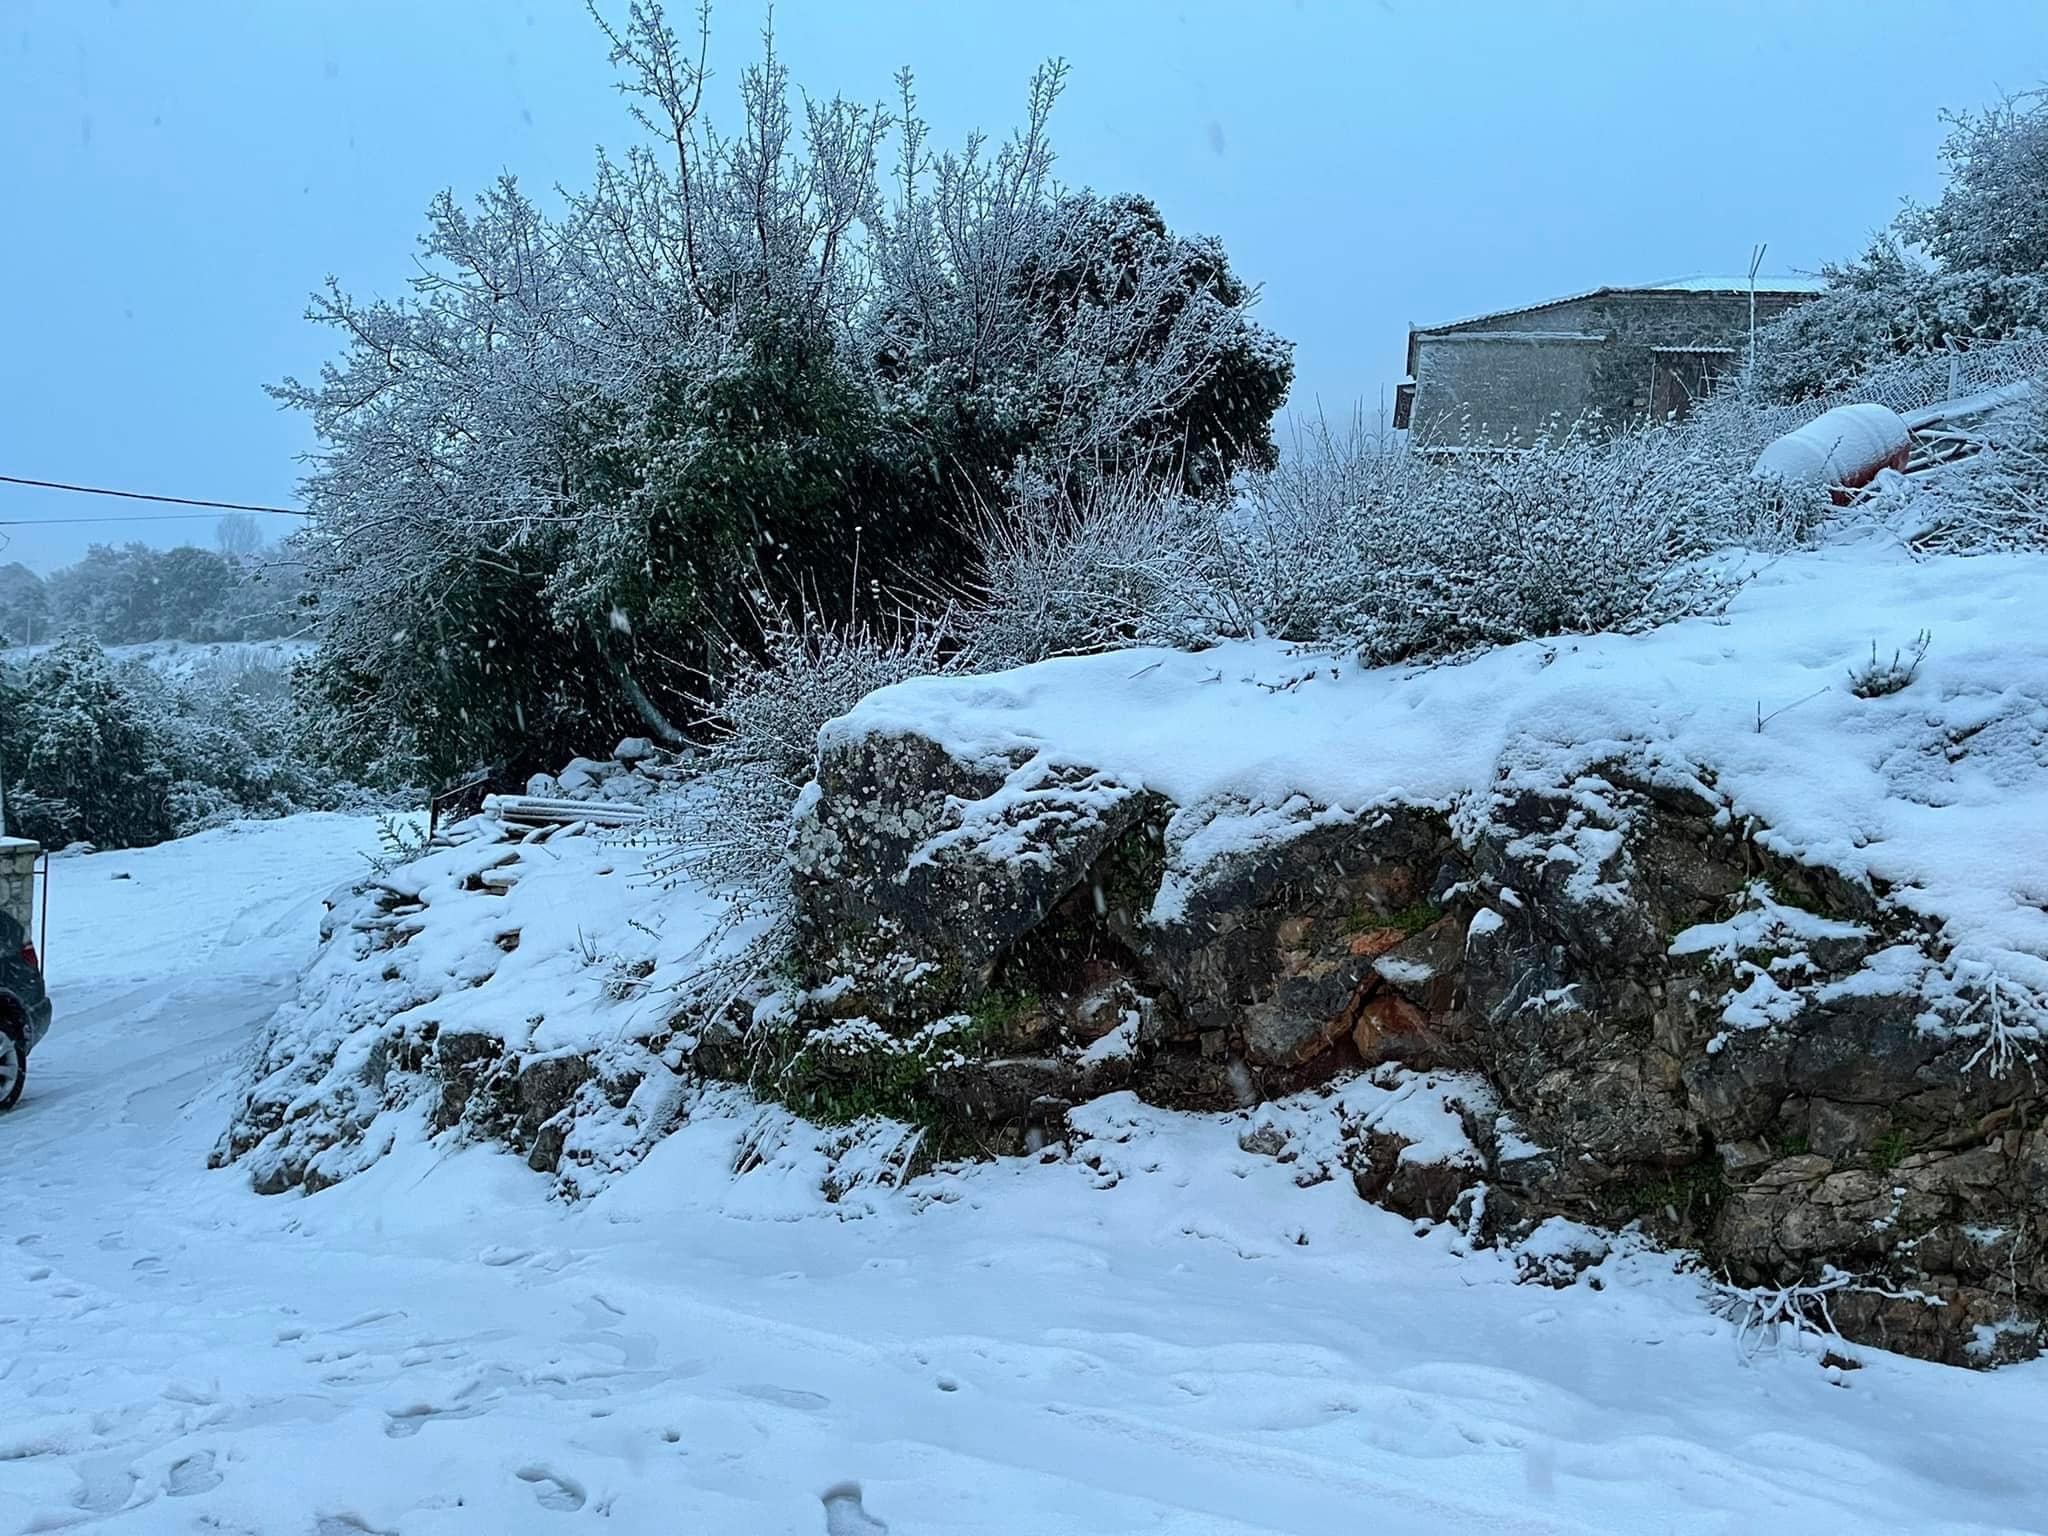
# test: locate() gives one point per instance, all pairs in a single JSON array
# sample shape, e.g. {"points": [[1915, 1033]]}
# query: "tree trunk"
{"points": [[663, 730]]}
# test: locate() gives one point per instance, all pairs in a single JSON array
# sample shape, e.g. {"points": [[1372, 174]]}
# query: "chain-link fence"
{"points": [[1910, 384]]}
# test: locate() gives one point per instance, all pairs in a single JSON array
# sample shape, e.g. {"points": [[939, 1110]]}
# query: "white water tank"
{"points": [[1843, 448]]}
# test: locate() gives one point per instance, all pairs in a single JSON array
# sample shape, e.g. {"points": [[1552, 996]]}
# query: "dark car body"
{"points": [[24, 1001]]}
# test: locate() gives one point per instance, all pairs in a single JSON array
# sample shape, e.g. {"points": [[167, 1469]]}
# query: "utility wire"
{"points": [[94, 490], [132, 517]]}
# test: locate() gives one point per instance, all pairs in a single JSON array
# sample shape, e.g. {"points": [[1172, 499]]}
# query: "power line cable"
{"points": [[96, 490], [133, 517]]}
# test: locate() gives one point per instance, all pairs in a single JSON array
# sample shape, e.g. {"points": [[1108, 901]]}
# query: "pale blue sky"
{"points": [[176, 175]]}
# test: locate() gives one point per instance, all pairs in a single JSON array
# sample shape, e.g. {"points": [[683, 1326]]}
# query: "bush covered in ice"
{"points": [[729, 833], [1350, 543]]}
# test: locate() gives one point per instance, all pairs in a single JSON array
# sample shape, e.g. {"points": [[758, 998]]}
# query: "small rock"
{"points": [[1266, 1140], [1388, 1027], [1275, 1036]]}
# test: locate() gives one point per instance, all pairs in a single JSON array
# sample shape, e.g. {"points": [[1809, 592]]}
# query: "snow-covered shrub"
{"points": [[2008, 1018], [1409, 557], [1994, 500], [1572, 536], [1766, 1316], [1879, 679], [728, 829], [1350, 542], [1127, 562], [1302, 534]]}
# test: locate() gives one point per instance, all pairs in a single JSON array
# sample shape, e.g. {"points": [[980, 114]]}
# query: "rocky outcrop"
{"points": [[1676, 1025], [972, 857]]}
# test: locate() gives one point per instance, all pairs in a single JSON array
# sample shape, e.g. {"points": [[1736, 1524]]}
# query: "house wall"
{"points": [[1500, 388], [1509, 377]]}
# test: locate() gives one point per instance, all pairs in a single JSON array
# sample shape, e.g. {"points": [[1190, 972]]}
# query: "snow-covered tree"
{"points": [[1971, 268], [238, 536], [1068, 327], [129, 594], [24, 605], [1992, 215], [118, 754], [83, 760], [553, 476]]}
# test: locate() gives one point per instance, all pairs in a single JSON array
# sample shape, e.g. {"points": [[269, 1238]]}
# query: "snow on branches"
{"points": [[702, 371], [1350, 542], [728, 832]]}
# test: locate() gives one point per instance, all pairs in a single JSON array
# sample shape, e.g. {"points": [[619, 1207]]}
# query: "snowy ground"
{"points": [[1179, 1341]]}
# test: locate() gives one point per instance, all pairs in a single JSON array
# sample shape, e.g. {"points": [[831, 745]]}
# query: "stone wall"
{"points": [[1595, 951]]}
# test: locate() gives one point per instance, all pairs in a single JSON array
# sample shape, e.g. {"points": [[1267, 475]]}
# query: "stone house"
{"points": [[1611, 355]]}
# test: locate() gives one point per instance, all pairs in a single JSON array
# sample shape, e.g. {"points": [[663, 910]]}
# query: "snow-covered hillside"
{"points": [[1162, 1333], [190, 660]]}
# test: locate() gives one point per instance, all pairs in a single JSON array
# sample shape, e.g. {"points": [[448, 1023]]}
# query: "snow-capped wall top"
{"points": [[1740, 284], [1939, 790]]}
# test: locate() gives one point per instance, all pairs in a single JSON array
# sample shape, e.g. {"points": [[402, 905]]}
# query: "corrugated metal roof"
{"points": [[1740, 284], [1773, 285], [1527, 336]]}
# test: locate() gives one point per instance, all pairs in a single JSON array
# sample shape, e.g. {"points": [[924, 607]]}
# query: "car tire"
{"points": [[13, 1066]]}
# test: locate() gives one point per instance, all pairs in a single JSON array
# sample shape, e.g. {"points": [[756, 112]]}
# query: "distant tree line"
{"points": [[130, 593], [121, 754]]}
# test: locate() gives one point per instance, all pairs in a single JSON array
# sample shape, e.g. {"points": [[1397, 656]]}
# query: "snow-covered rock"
{"points": [[514, 984], [1698, 913]]}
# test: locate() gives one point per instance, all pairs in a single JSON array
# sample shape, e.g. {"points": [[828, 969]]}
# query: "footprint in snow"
{"points": [[195, 1474], [553, 1491], [407, 1422], [105, 1484], [346, 1524], [785, 1397], [844, 1515]]}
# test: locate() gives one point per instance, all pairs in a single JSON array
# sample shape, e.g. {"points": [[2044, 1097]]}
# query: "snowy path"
{"points": [[1201, 1348]]}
